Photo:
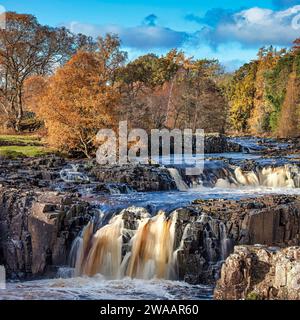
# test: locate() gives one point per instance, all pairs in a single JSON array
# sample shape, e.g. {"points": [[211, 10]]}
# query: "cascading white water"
{"points": [[150, 254], [153, 248], [73, 175], [226, 243], [186, 232], [287, 176], [180, 184], [101, 252]]}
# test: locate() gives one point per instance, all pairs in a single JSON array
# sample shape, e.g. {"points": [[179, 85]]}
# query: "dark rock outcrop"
{"points": [[27, 172], [139, 177], [213, 143], [37, 229], [210, 229], [271, 220], [44, 173], [219, 143]]}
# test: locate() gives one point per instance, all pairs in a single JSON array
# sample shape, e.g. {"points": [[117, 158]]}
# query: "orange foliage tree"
{"points": [[81, 97], [28, 48]]}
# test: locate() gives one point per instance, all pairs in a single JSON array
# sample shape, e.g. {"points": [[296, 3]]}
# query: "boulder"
{"points": [[260, 273], [219, 143]]}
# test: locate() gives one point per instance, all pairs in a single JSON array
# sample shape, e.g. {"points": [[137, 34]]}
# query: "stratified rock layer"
{"points": [[210, 229], [37, 229], [260, 273]]}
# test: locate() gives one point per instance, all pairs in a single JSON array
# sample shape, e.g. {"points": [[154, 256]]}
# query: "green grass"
{"points": [[20, 146], [20, 139], [23, 151]]}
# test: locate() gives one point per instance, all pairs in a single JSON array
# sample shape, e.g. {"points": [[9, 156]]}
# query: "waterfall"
{"points": [[82, 245], [149, 252], [226, 243], [138, 246], [152, 249], [287, 176], [180, 184], [73, 175], [185, 235], [101, 252]]}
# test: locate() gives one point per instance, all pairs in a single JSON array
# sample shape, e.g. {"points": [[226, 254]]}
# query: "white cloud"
{"points": [[230, 36], [257, 26], [146, 36]]}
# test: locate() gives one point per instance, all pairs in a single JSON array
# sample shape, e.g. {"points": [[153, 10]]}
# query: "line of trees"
{"points": [[26, 49], [73, 85], [264, 95]]}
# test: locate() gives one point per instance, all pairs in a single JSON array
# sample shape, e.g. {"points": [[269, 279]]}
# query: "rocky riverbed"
{"points": [[47, 203]]}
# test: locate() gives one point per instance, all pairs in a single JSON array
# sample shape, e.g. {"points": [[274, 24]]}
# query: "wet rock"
{"points": [[113, 188], [37, 229], [207, 232], [213, 143], [218, 143], [139, 177]]}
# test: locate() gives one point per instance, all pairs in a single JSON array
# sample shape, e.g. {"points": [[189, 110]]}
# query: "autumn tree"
{"points": [[259, 120], [172, 91], [34, 87], [199, 102], [289, 121], [28, 48], [277, 80], [257, 93], [143, 86], [81, 98], [240, 92]]}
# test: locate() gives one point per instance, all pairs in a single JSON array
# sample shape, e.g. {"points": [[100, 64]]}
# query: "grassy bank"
{"points": [[19, 146]]}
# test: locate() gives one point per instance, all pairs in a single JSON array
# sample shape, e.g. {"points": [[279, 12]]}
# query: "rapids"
{"points": [[98, 288], [113, 260], [287, 176]]}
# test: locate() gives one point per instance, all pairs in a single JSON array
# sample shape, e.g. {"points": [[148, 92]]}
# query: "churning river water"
{"points": [[71, 284]]}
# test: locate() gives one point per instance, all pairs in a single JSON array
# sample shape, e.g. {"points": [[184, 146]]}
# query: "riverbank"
{"points": [[134, 222]]}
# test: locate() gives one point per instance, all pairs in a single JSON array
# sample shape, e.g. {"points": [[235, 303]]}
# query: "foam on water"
{"points": [[97, 288], [95, 252], [169, 201]]}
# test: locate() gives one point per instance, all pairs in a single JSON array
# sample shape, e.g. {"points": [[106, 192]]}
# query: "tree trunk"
{"points": [[19, 115], [169, 102]]}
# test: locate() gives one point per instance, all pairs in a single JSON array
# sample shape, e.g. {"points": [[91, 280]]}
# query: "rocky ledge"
{"points": [[136, 176], [37, 230], [258, 273], [219, 143], [212, 228], [44, 174]]}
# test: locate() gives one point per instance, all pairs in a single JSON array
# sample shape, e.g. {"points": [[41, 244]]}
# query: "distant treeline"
{"points": [[264, 95], [70, 86]]}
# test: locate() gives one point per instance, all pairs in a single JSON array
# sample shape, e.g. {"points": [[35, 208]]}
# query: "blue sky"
{"points": [[228, 30]]}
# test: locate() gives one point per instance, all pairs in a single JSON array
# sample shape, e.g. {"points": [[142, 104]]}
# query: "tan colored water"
{"points": [[151, 252]]}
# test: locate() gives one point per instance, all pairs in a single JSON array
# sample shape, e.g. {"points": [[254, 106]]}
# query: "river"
{"points": [[224, 178]]}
